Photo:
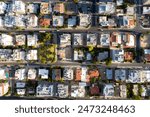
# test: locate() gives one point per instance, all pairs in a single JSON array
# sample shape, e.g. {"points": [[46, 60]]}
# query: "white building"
{"points": [[43, 73], [77, 91], [68, 74], [3, 7], [19, 7], [85, 20], [20, 74], [108, 90], [4, 88], [77, 39], [32, 40], [45, 89], [62, 90], [32, 55], [92, 39], [6, 40], [106, 8], [32, 74], [18, 54], [65, 40], [32, 21]]}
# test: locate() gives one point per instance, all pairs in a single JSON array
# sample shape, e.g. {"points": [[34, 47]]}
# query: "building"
{"points": [[117, 55], [32, 74], [120, 74], [32, 8], [19, 7], [102, 56], [78, 55], [146, 75], [20, 74], [77, 39], [56, 74], [91, 39], [105, 39], [93, 73], [45, 89], [4, 88], [123, 91], [108, 90], [72, 21], [65, 54], [94, 90], [71, 8], [1, 22], [68, 74], [19, 54], [128, 56], [109, 22], [62, 90], [44, 8], [85, 20], [20, 40], [119, 2], [109, 74], [19, 21], [147, 55], [6, 54], [9, 21], [65, 40], [106, 8], [134, 76], [146, 10], [44, 21], [78, 74], [119, 39], [6, 40], [58, 21], [78, 91], [20, 85], [31, 55], [32, 40], [4, 73], [59, 8], [3, 7], [89, 56], [126, 21], [31, 21], [43, 73]]}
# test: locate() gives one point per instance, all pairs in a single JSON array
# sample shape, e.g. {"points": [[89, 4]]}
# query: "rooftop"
{"points": [[108, 90], [20, 74], [77, 39], [58, 21], [31, 55], [43, 73], [32, 74], [56, 74], [44, 8], [68, 74], [120, 74]]}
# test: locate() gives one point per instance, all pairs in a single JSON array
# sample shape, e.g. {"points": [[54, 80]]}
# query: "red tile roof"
{"points": [[44, 22], [128, 56], [78, 74]]}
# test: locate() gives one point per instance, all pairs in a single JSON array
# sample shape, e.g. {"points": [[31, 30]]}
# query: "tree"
{"points": [[109, 61], [90, 48]]}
